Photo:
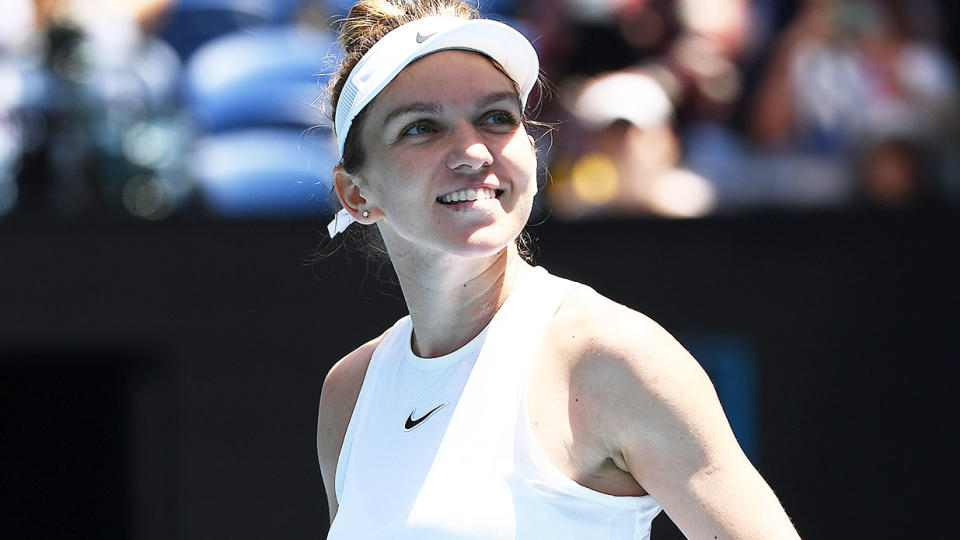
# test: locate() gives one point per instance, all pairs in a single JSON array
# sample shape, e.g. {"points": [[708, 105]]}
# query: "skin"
{"points": [[616, 403], [448, 259]]}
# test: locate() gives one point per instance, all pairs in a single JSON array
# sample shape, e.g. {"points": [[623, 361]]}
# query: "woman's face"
{"points": [[449, 166]]}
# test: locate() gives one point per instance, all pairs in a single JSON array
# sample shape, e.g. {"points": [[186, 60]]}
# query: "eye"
{"points": [[499, 118], [417, 128]]}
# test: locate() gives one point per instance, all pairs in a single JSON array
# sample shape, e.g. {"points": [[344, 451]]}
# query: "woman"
{"points": [[510, 403]]}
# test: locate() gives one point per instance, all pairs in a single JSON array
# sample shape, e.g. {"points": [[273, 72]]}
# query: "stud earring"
{"points": [[366, 214]]}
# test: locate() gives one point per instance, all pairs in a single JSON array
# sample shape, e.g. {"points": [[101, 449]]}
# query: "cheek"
{"points": [[521, 157], [382, 179]]}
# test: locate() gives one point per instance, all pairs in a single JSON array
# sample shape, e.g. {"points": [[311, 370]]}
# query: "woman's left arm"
{"points": [[660, 419]]}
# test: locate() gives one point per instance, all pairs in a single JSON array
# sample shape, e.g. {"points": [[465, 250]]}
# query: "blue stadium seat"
{"points": [[266, 173], [191, 23], [269, 76], [730, 359]]}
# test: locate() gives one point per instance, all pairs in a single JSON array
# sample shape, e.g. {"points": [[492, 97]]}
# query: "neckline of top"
{"points": [[470, 347]]}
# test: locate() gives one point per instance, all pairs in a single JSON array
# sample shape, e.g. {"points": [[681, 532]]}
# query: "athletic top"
{"points": [[443, 448]]}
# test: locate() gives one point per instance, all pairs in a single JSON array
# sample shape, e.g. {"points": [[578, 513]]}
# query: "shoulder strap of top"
{"points": [[536, 303], [523, 319]]}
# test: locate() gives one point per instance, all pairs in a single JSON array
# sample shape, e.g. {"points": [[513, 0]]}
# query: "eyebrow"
{"points": [[419, 106], [436, 108], [497, 97]]}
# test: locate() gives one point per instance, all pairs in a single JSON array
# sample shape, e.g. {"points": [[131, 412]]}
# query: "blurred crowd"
{"points": [[151, 109]]}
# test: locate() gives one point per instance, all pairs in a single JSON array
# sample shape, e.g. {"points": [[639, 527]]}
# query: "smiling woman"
{"points": [[363, 76], [510, 403], [447, 127]]}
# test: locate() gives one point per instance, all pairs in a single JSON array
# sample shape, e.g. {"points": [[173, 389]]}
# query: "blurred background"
{"points": [[776, 181]]}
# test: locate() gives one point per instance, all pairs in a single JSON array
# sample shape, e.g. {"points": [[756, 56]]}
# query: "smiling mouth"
{"points": [[469, 194]]}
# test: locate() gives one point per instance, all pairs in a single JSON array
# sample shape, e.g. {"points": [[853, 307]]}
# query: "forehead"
{"points": [[450, 75]]}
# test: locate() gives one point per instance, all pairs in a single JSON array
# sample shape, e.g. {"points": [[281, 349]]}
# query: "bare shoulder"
{"points": [[629, 374], [597, 331], [341, 387], [656, 414], [342, 383]]}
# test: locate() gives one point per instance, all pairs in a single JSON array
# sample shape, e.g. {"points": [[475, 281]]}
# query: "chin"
{"points": [[457, 240], [473, 249], [481, 243]]}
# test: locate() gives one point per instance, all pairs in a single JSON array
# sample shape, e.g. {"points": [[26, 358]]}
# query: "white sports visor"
{"points": [[416, 39]]}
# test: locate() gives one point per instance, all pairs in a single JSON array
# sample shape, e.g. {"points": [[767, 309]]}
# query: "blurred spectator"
{"points": [[854, 79], [98, 127], [16, 31], [893, 175], [848, 74], [669, 107], [691, 50], [100, 117], [626, 155]]}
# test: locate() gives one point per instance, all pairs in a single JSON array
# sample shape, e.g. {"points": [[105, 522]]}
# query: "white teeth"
{"points": [[469, 194]]}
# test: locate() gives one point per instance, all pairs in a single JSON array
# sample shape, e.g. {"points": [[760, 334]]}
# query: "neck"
{"points": [[452, 299]]}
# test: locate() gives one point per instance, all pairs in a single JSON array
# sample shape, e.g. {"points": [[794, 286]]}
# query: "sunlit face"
{"points": [[448, 128]]}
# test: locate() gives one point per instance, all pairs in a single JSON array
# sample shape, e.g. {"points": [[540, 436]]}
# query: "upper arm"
{"points": [[661, 418], [341, 387]]}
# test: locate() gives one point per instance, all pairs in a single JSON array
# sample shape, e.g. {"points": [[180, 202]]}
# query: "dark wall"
{"points": [[189, 356]]}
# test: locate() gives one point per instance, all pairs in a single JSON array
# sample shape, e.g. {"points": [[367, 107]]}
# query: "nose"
{"points": [[468, 151]]}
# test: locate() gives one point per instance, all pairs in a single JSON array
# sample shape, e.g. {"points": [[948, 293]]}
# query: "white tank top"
{"points": [[443, 448]]}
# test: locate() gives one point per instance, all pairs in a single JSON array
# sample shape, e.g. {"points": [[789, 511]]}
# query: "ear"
{"points": [[351, 197]]}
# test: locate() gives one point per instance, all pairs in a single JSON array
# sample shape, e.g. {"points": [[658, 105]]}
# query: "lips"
{"points": [[469, 194]]}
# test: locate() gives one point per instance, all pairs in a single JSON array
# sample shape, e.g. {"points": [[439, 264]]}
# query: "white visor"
{"points": [[416, 39]]}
